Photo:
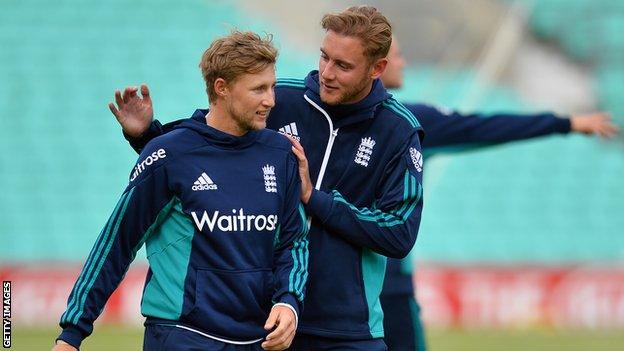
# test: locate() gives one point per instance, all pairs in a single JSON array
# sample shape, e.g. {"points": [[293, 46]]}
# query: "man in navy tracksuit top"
{"points": [[452, 131], [217, 203], [364, 156]]}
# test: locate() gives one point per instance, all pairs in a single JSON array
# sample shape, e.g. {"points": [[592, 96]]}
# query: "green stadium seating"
{"points": [[65, 164]]}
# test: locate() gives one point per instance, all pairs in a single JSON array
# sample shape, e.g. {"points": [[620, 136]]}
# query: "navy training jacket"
{"points": [[224, 230]]}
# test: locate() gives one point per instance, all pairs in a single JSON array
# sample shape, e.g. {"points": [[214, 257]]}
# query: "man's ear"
{"points": [[378, 68], [221, 87]]}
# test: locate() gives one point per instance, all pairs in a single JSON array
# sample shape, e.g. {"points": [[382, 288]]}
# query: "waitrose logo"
{"points": [[149, 160], [238, 221]]}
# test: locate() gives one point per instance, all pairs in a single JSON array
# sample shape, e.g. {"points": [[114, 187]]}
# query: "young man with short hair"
{"points": [[363, 152], [217, 203]]}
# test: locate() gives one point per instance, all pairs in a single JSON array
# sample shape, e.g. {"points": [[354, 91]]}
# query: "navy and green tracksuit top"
{"points": [[450, 131], [224, 231], [366, 164]]}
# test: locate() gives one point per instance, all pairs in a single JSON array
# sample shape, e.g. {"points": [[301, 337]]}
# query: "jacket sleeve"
{"points": [[291, 245], [390, 225], [447, 128], [155, 129], [142, 206]]}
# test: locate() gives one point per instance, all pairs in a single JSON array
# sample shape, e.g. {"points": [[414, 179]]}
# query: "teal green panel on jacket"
{"points": [[373, 272], [168, 252]]}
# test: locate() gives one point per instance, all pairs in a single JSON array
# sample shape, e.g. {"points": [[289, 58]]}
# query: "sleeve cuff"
{"points": [[71, 336], [287, 300], [562, 125], [320, 204], [155, 129]]}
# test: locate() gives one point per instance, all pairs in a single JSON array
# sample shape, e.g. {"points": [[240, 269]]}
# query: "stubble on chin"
{"points": [[327, 99]]}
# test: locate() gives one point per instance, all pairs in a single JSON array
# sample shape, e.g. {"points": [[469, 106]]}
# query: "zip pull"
{"points": [[334, 132]]}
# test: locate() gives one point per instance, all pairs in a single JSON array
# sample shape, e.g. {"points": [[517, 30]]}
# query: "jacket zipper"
{"points": [[333, 133]]}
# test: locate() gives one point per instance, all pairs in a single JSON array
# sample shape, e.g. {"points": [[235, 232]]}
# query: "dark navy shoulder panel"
{"points": [[162, 150], [400, 112], [290, 84], [274, 139], [402, 122]]}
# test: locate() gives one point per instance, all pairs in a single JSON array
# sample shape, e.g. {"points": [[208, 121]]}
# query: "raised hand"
{"points": [[133, 112], [594, 123]]}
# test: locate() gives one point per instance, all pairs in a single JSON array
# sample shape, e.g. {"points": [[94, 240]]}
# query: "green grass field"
{"points": [[117, 338]]}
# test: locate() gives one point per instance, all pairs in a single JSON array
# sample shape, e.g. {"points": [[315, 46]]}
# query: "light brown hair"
{"points": [[231, 56], [367, 24]]}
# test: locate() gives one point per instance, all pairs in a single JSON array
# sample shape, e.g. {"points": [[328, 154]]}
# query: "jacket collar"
{"points": [[197, 122]]}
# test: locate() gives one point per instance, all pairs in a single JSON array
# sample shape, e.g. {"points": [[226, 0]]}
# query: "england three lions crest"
{"points": [[270, 181], [364, 152]]}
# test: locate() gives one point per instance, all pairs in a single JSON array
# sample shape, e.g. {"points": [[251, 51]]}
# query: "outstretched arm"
{"points": [[451, 128]]}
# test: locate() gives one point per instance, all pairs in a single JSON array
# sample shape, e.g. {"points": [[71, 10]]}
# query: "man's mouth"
{"points": [[328, 87]]}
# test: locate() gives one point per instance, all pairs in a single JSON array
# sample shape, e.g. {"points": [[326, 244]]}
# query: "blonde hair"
{"points": [[231, 56], [367, 24]]}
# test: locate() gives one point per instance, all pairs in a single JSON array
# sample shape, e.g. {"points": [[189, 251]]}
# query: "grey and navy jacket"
{"points": [[366, 164], [224, 231], [451, 131]]}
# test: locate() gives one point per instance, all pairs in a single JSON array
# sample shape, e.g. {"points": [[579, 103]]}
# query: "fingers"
{"points": [[129, 93], [296, 144], [608, 130], [119, 100], [282, 328], [293, 141], [272, 320], [281, 337], [297, 149], [145, 92], [604, 127], [114, 110], [300, 155], [283, 344]]}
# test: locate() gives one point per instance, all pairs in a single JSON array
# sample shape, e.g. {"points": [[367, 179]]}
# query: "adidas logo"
{"points": [[204, 183], [291, 130], [417, 158]]}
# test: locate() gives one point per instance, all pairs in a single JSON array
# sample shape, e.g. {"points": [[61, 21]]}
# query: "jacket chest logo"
{"points": [[291, 130], [364, 151], [270, 181], [417, 158], [204, 183]]}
